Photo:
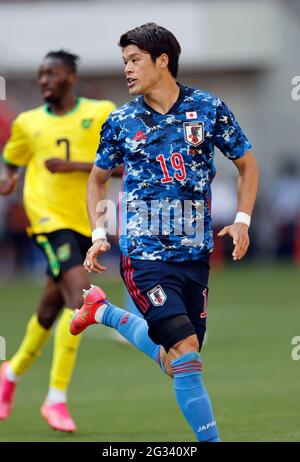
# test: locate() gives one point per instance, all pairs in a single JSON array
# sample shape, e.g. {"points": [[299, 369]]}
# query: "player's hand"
{"points": [[91, 263], [8, 185], [239, 233], [58, 165]]}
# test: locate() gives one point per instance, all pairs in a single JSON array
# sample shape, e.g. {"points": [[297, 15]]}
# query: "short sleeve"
{"points": [[108, 155], [228, 135], [16, 151]]}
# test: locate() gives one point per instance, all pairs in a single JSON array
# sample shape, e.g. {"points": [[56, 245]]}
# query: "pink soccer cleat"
{"points": [[93, 299], [58, 417], [7, 390]]}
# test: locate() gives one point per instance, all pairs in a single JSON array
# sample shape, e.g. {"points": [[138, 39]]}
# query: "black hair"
{"points": [[69, 59], [154, 40]]}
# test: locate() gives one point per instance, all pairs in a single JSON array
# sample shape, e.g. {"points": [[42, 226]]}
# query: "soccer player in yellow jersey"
{"points": [[56, 143]]}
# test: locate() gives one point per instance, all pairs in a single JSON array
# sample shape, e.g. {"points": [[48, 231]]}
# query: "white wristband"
{"points": [[242, 217], [98, 233]]}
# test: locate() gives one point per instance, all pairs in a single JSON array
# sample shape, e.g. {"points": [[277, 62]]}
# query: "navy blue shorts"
{"points": [[162, 289]]}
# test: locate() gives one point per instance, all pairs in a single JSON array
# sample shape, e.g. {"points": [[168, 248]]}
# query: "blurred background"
{"points": [[247, 52]]}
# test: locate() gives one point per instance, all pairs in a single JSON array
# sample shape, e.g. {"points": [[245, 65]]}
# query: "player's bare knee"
{"points": [[47, 317], [177, 335], [187, 345]]}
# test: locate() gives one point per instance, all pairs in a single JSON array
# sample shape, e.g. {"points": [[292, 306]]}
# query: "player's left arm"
{"points": [[247, 187]]}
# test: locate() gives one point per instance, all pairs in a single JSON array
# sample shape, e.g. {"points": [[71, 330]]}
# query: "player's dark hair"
{"points": [[154, 40], [69, 59]]}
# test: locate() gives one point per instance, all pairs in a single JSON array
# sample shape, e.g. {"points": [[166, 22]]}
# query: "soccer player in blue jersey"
{"points": [[165, 138]]}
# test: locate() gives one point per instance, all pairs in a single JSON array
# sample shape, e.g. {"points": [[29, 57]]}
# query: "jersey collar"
{"points": [[47, 107], [172, 109]]}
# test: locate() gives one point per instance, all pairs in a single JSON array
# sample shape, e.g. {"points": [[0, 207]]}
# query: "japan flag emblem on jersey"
{"points": [[194, 132], [157, 296], [191, 115]]}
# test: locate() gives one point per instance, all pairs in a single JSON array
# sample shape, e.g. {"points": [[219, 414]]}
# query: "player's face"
{"points": [[141, 73], [54, 79]]}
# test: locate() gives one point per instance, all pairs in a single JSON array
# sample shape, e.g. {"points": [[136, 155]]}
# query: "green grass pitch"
{"points": [[117, 394]]}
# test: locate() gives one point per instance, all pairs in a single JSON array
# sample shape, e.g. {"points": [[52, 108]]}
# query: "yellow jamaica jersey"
{"points": [[56, 200]]}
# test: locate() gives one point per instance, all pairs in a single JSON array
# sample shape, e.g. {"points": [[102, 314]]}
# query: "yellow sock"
{"points": [[30, 349], [65, 352]]}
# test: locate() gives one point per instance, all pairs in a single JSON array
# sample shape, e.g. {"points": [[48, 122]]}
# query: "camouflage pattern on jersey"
{"points": [[169, 166]]}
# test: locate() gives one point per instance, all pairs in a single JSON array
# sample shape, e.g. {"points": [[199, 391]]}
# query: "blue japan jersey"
{"points": [[169, 166]]}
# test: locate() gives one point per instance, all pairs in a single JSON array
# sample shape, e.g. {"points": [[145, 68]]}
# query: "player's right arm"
{"points": [[16, 154], [108, 158], [96, 197]]}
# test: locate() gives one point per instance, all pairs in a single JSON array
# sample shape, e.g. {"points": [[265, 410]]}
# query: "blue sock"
{"points": [[193, 398], [134, 329]]}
